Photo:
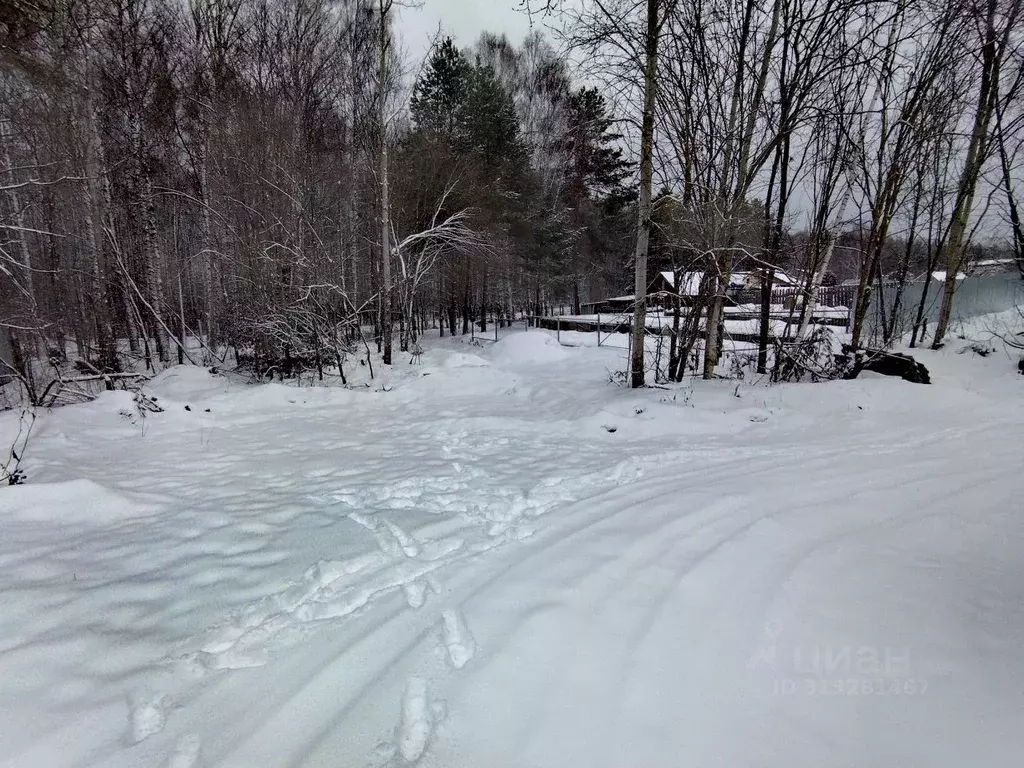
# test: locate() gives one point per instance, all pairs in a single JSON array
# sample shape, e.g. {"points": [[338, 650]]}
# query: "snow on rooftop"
{"points": [[738, 279]]}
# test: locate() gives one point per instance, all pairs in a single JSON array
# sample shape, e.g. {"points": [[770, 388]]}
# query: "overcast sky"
{"points": [[463, 20]]}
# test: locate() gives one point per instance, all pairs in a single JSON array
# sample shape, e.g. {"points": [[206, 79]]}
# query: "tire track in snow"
{"points": [[658, 604], [608, 621], [587, 528], [454, 631], [247, 645], [364, 664], [345, 588], [672, 531], [762, 589], [679, 541], [460, 648]]}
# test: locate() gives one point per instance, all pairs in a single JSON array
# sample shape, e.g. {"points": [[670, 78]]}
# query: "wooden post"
{"points": [[629, 346]]}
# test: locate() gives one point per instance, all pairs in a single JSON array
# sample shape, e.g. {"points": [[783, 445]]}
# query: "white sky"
{"points": [[463, 20]]}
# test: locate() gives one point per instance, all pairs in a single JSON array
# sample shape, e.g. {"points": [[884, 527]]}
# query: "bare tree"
{"points": [[997, 24]]}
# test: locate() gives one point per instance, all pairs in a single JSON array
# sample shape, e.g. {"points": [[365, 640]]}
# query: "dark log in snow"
{"points": [[886, 363]]}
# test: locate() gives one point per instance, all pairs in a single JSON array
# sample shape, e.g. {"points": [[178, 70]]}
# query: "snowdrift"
{"points": [[463, 360], [73, 501], [184, 383], [529, 348]]}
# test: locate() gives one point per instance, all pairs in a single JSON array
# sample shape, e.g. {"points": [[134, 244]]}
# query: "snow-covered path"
{"points": [[505, 561]]}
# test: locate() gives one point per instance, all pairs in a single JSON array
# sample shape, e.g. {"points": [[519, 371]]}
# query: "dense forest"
{"points": [[213, 171], [267, 178]]}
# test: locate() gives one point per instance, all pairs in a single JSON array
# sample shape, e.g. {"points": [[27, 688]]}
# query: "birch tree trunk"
{"points": [[206, 235], [93, 173], [385, 203], [811, 304], [644, 207], [17, 216], [993, 51]]}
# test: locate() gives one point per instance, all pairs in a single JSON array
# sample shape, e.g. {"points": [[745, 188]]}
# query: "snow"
{"points": [[461, 360], [528, 348], [457, 639], [147, 716], [417, 725], [505, 560], [187, 753], [72, 501], [183, 383], [940, 276], [691, 282]]}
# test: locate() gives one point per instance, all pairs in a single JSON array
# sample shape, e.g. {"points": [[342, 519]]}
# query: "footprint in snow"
{"points": [[366, 522], [415, 593], [147, 714], [458, 641], [420, 715], [434, 583], [408, 544], [187, 753], [392, 540]]}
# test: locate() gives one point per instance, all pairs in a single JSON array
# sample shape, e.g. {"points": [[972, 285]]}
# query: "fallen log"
{"points": [[885, 363]]}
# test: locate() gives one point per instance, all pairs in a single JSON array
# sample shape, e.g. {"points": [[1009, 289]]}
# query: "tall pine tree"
{"points": [[596, 167], [440, 95]]}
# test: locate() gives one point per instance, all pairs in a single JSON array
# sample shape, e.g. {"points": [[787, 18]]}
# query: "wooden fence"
{"points": [[828, 295], [616, 324]]}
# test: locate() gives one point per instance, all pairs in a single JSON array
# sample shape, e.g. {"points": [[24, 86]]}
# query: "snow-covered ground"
{"points": [[500, 559]]}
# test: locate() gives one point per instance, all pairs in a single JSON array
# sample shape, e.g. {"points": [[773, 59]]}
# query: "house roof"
{"points": [[785, 278], [692, 280]]}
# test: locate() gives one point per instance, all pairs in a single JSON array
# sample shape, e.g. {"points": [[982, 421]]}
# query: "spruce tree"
{"points": [[596, 166], [439, 98], [490, 127]]}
